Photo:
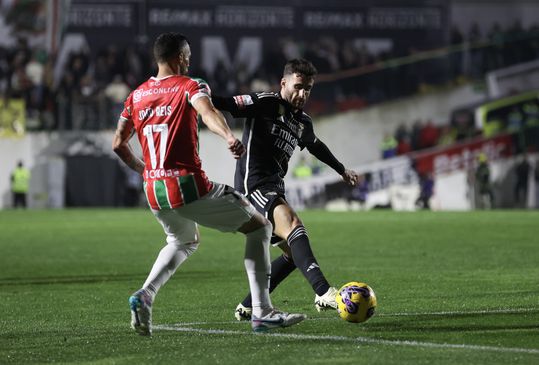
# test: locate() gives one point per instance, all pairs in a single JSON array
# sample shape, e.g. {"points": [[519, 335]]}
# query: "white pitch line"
{"points": [[366, 340], [452, 313], [398, 314]]}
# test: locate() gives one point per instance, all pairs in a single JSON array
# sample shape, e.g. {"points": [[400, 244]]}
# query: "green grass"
{"points": [[441, 279]]}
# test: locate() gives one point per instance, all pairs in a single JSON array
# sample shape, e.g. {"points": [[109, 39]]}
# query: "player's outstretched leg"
{"points": [[257, 265], [326, 301], [281, 267], [275, 319], [304, 259], [170, 258], [140, 304]]}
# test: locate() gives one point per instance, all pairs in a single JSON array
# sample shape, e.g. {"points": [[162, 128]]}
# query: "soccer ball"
{"points": [[356, 302]]}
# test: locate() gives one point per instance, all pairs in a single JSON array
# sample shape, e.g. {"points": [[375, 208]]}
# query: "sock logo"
{"points": [[313, 266]]}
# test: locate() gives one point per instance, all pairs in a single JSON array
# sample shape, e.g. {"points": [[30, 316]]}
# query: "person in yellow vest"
{"points": [[302, 170], [20, 181]]}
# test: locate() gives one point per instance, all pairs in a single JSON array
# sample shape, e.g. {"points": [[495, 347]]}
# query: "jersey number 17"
{"points": [[148, 132]]}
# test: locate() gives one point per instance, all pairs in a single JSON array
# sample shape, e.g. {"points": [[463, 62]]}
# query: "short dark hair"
{"points": [[168, 45], [300, 66]]}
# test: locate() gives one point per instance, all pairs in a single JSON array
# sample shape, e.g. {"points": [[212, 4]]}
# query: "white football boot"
{"points": [[326, 301], [275, 319], [140, 304], [243, 313]]}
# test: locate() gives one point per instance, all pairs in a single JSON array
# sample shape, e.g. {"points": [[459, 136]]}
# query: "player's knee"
{"points": [[188, 248], [262, 234], [191, 245], [256, 222], [298, 231]]}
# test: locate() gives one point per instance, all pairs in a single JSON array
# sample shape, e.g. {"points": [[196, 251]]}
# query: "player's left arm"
{"points": [[120, 145], [322, 152]]}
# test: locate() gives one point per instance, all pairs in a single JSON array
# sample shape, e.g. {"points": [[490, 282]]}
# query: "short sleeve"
{"points": [[197, 88], [127, 112]]}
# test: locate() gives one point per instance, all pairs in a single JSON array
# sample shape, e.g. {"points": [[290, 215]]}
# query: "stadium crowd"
{"points": [[88, 93]]}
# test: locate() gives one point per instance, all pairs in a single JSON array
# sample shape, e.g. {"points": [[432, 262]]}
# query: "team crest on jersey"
{"points": [[301, 127], [137, 96], [243, 100]]}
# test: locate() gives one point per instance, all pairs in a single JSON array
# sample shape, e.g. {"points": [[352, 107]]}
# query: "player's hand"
{"points": [[236, 147], [350, 177]]}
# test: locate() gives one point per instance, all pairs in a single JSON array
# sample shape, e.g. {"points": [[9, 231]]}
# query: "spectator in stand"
{"points": [[414, 136], [404, 146], [401, 132], [428, 136], [476, 53], [521, 185], [388, 147], [483, 185], [361, 192], [116, 92], [426, 190], [302, 170], [447, 136], [456, 56], [20, 183]]}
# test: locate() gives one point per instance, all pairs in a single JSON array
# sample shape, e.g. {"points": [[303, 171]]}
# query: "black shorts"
{"points": [[264, 201]]}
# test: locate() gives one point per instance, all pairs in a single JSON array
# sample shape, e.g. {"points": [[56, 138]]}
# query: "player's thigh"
{"points": [[285, 219], [222, 208], [179, 230]]}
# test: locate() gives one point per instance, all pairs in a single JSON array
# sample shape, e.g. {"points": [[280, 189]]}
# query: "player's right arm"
{"points": [[120, 145], [120, 142], [216, 123]]}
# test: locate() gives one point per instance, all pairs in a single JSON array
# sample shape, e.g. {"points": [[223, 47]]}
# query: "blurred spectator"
{"points": [[482, 183], [515, 120], [361, 191], [302, 170], [456, 56], [20, 182], [116, 92], [447, 136], [531, 114], [426, 190], [404, 146], [388, 147], [414, 136], [521, 185], [401, 132], [133, 187], [428, 136], [476, 54], [372, 71]]}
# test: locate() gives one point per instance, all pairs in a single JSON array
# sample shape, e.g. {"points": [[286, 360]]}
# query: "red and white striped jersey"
{"points": [[166, 124]]}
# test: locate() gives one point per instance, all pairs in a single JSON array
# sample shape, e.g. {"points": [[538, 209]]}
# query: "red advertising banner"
{"points": [[463, 155]]}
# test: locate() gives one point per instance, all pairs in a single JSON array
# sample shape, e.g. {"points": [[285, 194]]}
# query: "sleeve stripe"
{"points": [[197, 96]]}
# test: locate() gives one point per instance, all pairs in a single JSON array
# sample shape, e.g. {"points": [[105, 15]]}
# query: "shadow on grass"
{"points": [[491, 321], [91, 279]]}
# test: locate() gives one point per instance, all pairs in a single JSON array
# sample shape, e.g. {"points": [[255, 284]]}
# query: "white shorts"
{"points": [[222, 208]]}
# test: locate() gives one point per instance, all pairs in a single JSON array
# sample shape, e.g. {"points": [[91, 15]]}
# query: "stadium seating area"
{"points": [[89, 92]]}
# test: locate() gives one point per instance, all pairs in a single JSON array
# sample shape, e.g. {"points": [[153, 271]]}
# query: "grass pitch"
{"points": [[452, 288]]}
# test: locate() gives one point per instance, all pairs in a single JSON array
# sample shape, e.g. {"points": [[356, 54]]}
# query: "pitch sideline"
{"points": [[180, 327], [365, 340]]}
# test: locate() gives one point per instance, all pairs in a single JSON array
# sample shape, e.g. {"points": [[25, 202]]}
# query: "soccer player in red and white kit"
{"points": [[163, 113]]}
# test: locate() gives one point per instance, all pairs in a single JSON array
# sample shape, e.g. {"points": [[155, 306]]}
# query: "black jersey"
{"points": [[271, 133]]}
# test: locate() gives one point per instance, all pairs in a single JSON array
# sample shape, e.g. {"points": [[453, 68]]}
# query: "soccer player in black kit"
{"points": [[275, 124]]}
